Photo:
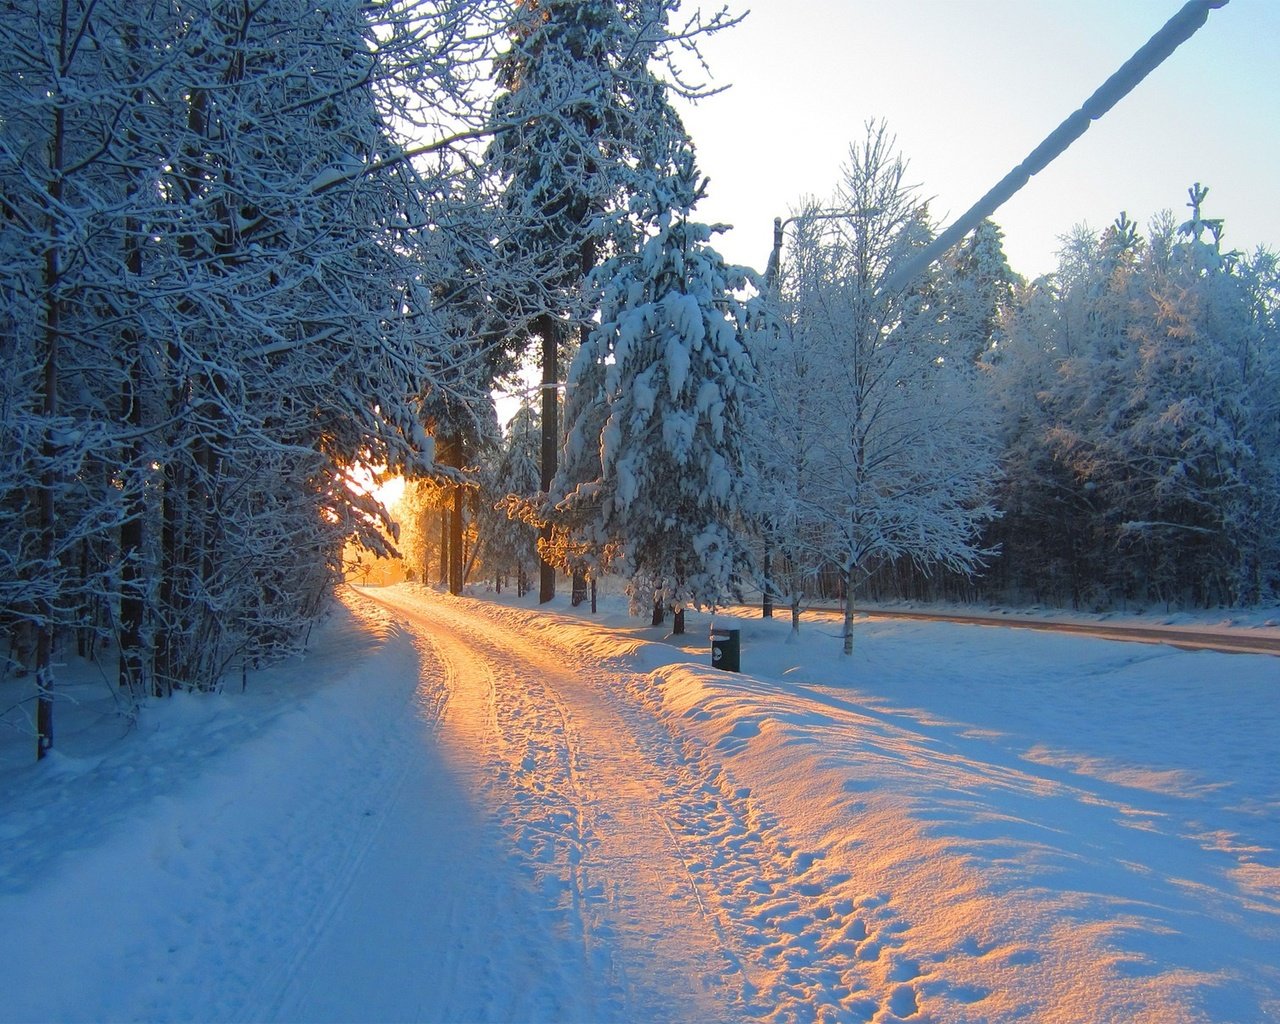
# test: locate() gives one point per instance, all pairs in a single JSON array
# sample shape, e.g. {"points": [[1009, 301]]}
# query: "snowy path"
{"points": [[715, 847], [658, 890], [561, 894]]}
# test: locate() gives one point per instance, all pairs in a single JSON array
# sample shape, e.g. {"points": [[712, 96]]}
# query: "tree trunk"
{"points": [[579, 593], [48, 474], [173, 625], [130, 670], [593, 595], [549, 329], [677, 623], [766, 602], [659, 612], [424, 525], [848, 611], [444, 544], [455, 543]]}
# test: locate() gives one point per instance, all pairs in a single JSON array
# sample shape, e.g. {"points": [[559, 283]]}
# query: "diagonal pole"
{"points": [[1177, 30]]}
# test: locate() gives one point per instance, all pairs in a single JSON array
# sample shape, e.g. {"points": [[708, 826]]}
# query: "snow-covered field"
{"points": [[481, 810]]}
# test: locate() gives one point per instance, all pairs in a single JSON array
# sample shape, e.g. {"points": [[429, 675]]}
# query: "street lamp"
{"points": [[772, 271], [774, 267]]}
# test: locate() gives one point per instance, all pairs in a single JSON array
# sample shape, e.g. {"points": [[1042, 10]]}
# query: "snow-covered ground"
{"points": [[482, 810]]}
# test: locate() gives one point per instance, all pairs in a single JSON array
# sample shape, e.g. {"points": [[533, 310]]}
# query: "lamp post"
{"points": [[772, 271], [774, 267]]}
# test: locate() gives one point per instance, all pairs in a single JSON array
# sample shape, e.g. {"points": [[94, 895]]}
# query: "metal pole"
{"points": [[772, 271]]}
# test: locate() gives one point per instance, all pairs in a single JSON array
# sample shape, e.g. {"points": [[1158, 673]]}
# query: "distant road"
{"points": [[1231, 640]]}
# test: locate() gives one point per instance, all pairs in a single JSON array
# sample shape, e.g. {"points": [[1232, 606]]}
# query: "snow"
{"points": [[479, 809]]}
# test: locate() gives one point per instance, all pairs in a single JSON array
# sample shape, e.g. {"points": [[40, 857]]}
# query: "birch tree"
{"points": [[905, 459], [786, 423]]}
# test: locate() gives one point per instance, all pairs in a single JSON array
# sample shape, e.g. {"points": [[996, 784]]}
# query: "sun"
{"points": [[389, 492], [361, 479]]}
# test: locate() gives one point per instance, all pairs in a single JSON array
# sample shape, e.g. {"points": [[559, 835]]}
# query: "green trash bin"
{"points": [[725, 649]]}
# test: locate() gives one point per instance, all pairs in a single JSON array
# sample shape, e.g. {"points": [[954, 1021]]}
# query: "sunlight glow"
{"points": [[390, 491], [365, 480]]}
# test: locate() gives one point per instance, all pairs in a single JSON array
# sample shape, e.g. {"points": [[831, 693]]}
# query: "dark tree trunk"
{"points": [[549, 329], [677, 623], [659, 611], [455, 543], [444, 544], [131, 665], [172, 627], [766, 602], [579, 593], [49, 474], [425, 524]]}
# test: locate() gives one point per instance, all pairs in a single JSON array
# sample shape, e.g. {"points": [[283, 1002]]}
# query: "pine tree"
{"points": [[980, 288], [670, 368], [1142, 461], [508, 542], [584, 118]]}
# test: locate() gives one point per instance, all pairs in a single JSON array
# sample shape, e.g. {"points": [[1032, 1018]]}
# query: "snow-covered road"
{"points": [[685, 845], [639, 883], [561, 893], [476, 810]]}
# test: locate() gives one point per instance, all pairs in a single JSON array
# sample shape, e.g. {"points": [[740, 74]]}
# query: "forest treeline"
{"points": [[1102, 437], [252, 251]]}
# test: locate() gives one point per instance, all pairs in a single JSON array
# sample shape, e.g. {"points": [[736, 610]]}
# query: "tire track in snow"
{"points": [[437, 923], [572, 797], [796, 941]]}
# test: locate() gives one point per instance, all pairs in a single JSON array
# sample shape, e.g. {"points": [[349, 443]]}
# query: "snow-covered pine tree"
{"points": [[1199, 412], [672, 369], [1139, 387], [508, 544], [583, 118], [575, 539], [979, 289]]}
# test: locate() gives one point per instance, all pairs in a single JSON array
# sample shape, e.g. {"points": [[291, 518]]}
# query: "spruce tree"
{"points": [[583, 119], [670, 369]]}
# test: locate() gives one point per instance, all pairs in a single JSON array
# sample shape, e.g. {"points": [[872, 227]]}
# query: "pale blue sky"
{"points": [[970, 87]]}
